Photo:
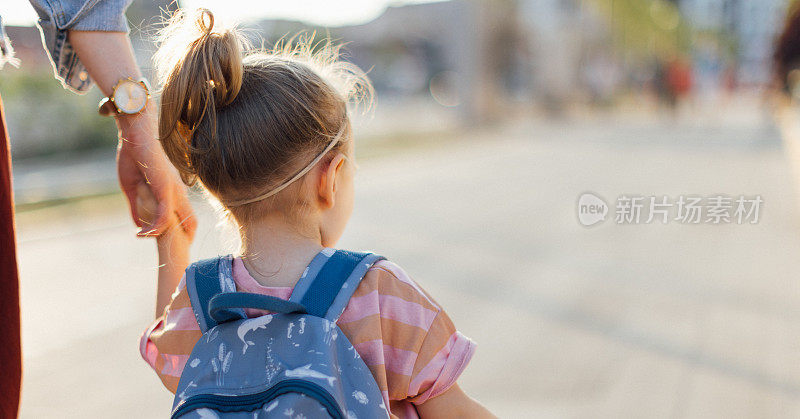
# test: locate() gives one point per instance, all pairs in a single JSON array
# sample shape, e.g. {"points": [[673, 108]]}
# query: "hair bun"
{"points": [[200, 69], [221, 56]]}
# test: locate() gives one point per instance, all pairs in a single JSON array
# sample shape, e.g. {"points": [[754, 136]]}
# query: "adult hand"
{"points": [[108, 56], [140, 158]]}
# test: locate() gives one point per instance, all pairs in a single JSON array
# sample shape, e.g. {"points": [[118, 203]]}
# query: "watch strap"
{"points": [[107, 107]]}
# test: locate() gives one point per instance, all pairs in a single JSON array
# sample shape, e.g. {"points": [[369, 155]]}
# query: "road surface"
{"points": [[657, 321]]}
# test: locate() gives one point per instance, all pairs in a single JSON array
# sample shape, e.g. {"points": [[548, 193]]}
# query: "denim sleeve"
{"points": [[56, 17]]}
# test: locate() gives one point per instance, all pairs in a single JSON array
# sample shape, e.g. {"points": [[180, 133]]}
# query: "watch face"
{"points": [[130, 96]]}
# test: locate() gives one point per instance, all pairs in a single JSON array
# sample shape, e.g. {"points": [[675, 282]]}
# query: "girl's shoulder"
{"points": [[404, 334], [389, 295], [386, 278]]}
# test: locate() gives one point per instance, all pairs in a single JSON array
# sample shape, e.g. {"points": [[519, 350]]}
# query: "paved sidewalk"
{"points": [[672, 321], [60, 178]]}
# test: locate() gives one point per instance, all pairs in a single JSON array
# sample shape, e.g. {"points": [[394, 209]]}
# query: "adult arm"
{"points": [[87, 41], [108, 57]]}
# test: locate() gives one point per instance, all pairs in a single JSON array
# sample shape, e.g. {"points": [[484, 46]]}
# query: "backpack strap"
{"points": [[324, 289], [327, 293], [204, 280]]}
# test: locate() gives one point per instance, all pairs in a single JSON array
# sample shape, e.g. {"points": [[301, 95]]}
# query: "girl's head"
{"points": [[266, 133]]}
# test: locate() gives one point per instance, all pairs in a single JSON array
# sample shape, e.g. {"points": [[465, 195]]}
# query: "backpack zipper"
{"points": [[251, 402]]}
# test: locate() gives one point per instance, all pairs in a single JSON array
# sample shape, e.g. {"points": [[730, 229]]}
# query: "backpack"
{"points": [[295, 363]]}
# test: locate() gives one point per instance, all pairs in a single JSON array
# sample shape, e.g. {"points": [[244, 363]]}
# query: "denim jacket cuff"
{"points": [[58, 17]]}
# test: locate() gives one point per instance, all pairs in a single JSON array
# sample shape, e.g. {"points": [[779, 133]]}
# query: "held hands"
{"points": [[140, 160], [108, 56], [146, 205]]}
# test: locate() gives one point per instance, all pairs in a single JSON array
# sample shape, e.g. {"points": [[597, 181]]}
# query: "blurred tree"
{"points": [[642, 28], [45, 119]]}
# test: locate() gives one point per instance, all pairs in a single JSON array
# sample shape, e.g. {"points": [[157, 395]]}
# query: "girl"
{"points": [[268, 135]]}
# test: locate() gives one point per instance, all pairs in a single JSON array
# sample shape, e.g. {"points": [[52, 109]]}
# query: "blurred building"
{"points": [[28, 47], [441, 50], [485, 58], [568, 51], [748, 29], [31, 90]]}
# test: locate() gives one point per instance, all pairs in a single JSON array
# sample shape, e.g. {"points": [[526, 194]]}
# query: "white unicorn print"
{"points": [[250, 325], [306, 372]]}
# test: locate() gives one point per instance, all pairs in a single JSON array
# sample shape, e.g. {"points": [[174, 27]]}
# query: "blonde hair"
{"points": [[244, 122]]}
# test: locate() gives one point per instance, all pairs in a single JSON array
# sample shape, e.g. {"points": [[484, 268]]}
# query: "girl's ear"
{"points": [[326, 190]]}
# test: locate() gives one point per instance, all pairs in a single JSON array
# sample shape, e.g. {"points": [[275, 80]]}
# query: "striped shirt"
{"points": [[408, 342]]}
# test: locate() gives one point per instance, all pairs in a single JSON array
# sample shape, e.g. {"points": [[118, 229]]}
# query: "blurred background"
{"points": [[491, 119]]}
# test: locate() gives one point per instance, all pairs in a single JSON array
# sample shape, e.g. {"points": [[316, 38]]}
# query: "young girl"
{"points": [[268, 135]]}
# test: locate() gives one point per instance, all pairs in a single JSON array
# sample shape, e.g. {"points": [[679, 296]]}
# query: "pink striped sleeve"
{"points": [[420, 349], [181, 319], [173, 364], [167, 343], [147, 348], [389, 307], [441, 372]]}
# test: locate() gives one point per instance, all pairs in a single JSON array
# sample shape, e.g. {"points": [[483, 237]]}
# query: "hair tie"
{"points": [[201, 21]]}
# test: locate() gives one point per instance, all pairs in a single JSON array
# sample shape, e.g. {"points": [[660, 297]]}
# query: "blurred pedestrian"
{"points": [[679, 80], [786, 57], [786, 87], [87, 42]]}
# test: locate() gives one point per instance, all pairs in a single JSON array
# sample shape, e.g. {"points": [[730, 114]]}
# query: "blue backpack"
{"points": [[295, 363]]}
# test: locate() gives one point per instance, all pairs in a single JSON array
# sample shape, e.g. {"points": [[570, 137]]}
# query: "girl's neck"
{"points": [[275, 253]]}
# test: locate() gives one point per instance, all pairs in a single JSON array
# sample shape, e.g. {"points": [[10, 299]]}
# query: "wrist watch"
{"points": [[128, 97]]}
